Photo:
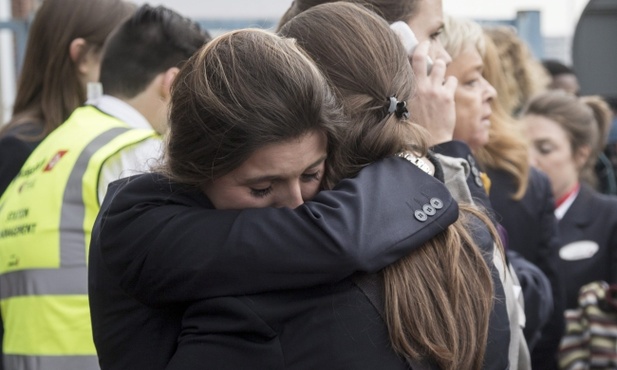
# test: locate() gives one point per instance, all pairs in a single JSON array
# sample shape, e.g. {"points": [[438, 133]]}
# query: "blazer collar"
{"points": [[579, 212]]}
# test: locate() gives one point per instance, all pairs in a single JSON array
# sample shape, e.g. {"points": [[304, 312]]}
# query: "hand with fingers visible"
{"points": [[432, 106]]}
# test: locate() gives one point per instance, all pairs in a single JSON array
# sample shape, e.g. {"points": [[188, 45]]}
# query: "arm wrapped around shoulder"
{"points": [[165, 243]]}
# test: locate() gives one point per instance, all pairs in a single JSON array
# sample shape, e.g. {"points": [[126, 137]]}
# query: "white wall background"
{"points": [[7, 67], [559, 17]]}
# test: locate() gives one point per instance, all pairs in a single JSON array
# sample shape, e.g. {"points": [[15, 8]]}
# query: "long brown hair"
{"points": [[49, 88], [243, 90], [438, 298]]}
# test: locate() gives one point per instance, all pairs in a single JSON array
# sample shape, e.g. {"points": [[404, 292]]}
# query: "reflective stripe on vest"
{"points": [[50, 362], [46, 218]]}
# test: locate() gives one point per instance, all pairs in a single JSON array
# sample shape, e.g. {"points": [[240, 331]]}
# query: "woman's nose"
{"points": [[293, 197]]}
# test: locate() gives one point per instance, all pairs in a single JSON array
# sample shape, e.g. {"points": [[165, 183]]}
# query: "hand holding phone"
{"points": [[409, 40]]}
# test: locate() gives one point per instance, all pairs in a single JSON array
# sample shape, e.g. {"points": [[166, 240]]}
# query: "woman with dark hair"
{"points": [[362, 41], [433, 108], [62, 56], [436, 301], [254, 136], [324, 325]]}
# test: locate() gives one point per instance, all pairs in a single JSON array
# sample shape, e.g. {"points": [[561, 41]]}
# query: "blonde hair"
{"points": [[438, 298], [523, 75], [507, 148], [459, 33]]}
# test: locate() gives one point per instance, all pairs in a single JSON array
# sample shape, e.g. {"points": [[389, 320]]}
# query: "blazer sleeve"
{"points": [[165, 246]]}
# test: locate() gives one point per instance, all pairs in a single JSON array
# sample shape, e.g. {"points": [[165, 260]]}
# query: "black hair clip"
{"points": [[398, 107]]}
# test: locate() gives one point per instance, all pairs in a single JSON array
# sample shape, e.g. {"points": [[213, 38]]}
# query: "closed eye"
{"points": [[314, 176], [261, 193]]}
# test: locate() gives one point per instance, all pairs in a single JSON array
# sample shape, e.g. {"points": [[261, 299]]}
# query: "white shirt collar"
{"points": [[563, 208], [120, 110]]}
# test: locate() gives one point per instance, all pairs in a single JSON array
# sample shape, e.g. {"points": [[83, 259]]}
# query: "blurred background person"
{"points": [[563, 131], [522, 198], [611, 145], [63, 55], [562, 76], [50, 207], [601, 176], [524, 75], [519, 195]]}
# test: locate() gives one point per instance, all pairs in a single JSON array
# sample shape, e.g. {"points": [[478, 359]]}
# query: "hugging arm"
{"points": [[167, 245]]}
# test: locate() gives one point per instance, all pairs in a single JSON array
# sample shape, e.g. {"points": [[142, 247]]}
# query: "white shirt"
{"points": [[565, 206], [138, 158]]}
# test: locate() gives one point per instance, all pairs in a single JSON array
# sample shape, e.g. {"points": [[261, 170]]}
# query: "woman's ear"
{"points": [[581, 156], [77, 50], [87, 59]]}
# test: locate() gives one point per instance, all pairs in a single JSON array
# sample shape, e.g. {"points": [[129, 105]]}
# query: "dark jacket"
{"points": [[14, 151], [592, 218], [532, 232], [158, 246], [331, 326], [459, 149], [499, 324]]}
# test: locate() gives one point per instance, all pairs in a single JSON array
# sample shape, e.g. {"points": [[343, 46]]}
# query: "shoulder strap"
{"points": [[372, 286]]}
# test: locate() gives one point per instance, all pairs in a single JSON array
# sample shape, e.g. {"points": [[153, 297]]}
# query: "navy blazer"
{"points": [[499, 324], [331, 326], [158, 246], [589, 224], [458, 149], [532, 232]]}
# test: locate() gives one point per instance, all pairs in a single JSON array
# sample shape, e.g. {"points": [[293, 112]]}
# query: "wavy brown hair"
{"points": [[49, 88], [243, 90], [438, 298]]}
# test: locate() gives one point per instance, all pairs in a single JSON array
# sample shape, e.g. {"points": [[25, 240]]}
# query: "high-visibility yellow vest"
{"points": [[46, 219]]}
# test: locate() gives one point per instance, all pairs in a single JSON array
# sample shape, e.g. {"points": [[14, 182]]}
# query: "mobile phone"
{"points": [[409, 40]]}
